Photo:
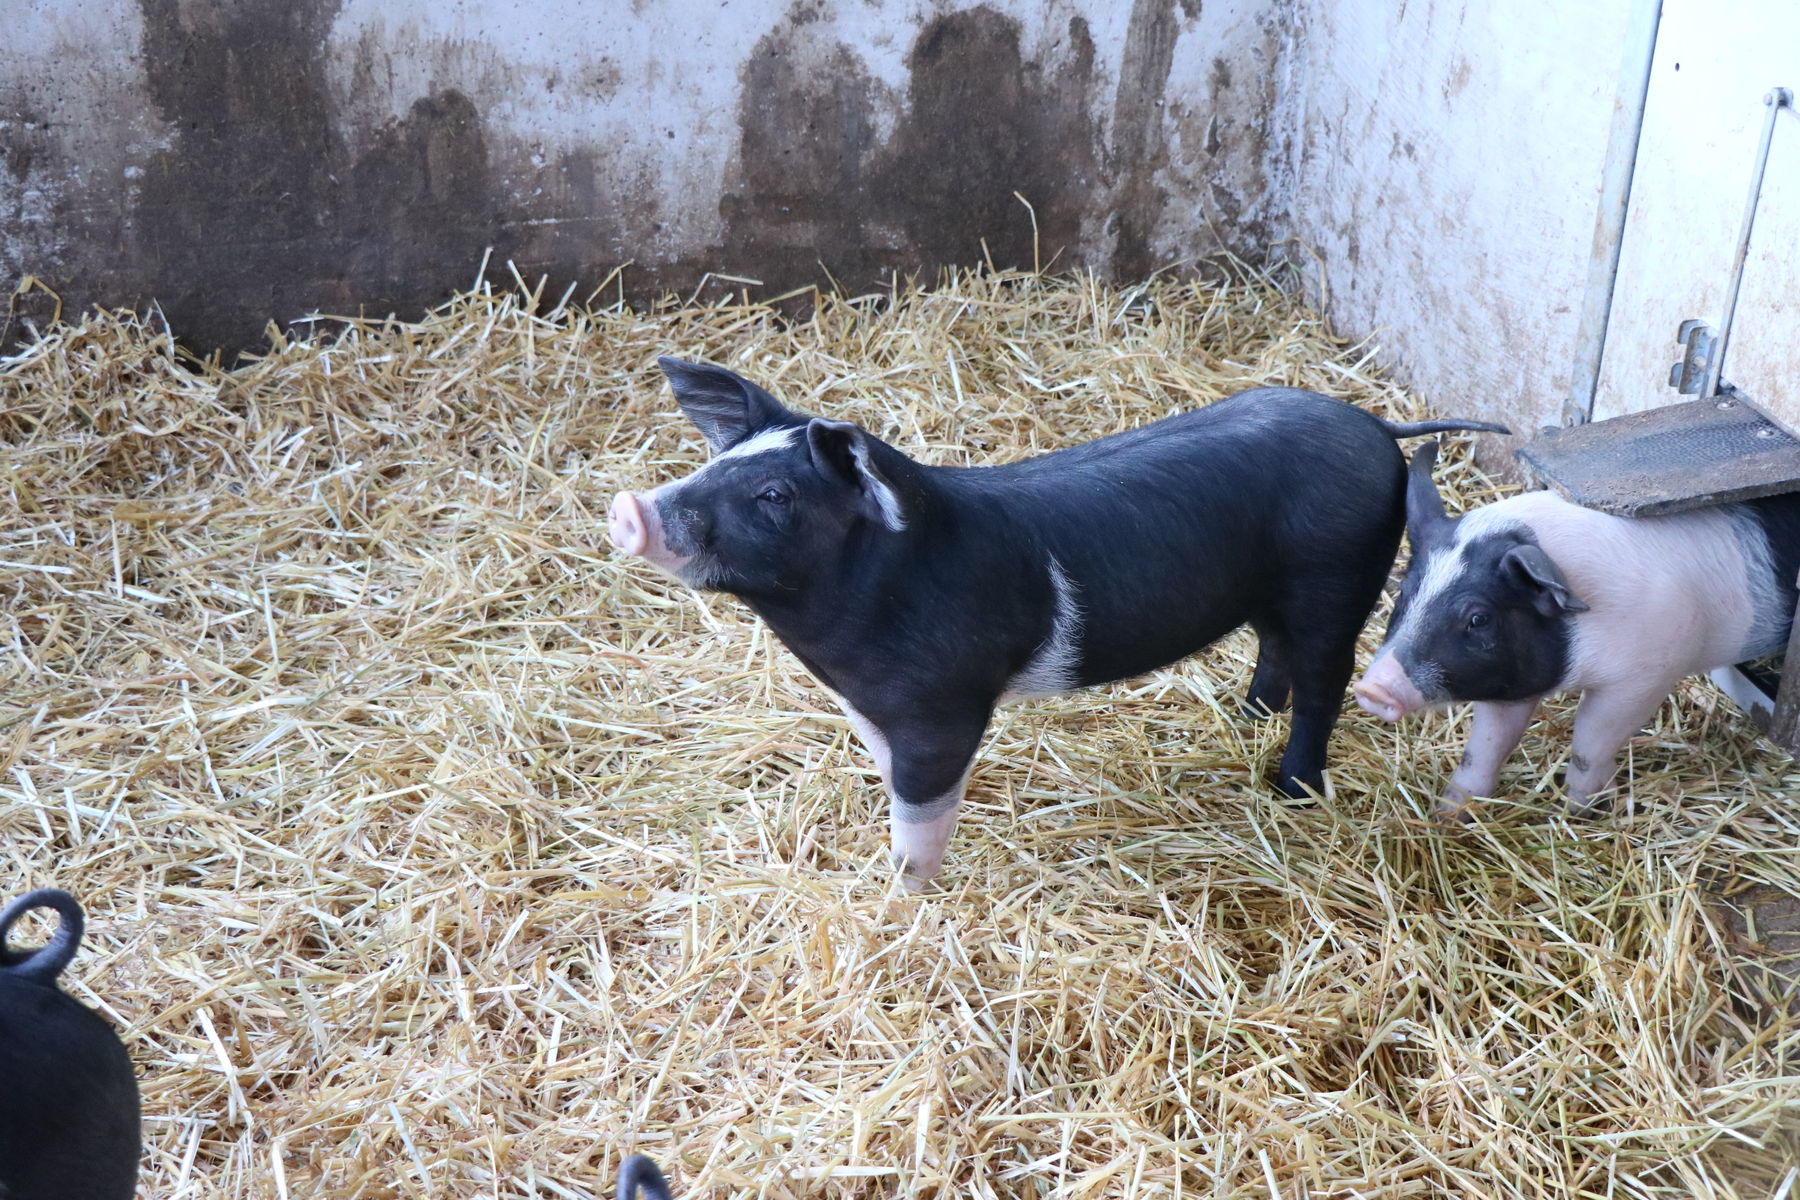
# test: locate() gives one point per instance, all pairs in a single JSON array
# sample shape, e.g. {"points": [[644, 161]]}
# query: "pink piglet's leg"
{"points": [[1607, 717], [1498, 726]]}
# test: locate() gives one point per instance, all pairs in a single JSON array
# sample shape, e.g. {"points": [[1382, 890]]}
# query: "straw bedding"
{"points": [[432, 850]]}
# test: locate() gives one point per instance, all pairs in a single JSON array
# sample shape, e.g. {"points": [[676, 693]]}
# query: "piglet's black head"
{"points": [[784, 497], [729, 410], [1489, 622], [44, 964], [1483, 611]]}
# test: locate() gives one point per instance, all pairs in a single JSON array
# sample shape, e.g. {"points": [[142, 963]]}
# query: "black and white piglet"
{"points": [[68, 1096], [1533, 595], [924, 596]]}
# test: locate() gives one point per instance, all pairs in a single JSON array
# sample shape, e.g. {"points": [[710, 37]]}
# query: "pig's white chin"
{"points": [[687, 572], [682, 569], [694, 570], [678, 565]]}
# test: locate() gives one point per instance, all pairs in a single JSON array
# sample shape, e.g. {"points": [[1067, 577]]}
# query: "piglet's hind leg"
{"points": [[1323, 659], [1606, 719], [1273, 680]]}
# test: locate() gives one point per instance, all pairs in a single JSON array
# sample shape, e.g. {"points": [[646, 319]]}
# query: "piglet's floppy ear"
{"points": [[1426, 523], [840, 451], [1534, 569], [725, 407]]}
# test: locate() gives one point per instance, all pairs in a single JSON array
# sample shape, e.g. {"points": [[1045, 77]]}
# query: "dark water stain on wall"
{"points": [[799, 195], [248, 182], [982, 122], [278, 172], [1138, 148], [259, 210], [979, 122], [422, 207], [28, 140]]}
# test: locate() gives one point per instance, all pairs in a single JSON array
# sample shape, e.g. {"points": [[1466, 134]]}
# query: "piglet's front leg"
{"points": [[1497, 728], [1607, 718], [930, 773], [925, 765]]}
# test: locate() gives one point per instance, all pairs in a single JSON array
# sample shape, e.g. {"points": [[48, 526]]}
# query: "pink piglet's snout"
{"points": [[1385, 690], [630, 523]]}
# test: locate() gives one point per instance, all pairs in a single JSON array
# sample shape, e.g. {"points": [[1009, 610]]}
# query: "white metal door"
{"points": [[1714, 62]]}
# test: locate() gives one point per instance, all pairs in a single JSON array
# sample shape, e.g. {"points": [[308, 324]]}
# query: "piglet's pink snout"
{"points": [[1386, 691], [1375, 700], [629, 523]]}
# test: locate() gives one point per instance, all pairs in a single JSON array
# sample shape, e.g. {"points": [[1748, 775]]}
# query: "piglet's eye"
{"points": [[773, 496], [1478, 619]]}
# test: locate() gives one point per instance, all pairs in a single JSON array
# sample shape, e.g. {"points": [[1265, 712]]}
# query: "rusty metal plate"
{"points": [[1668, 459]]}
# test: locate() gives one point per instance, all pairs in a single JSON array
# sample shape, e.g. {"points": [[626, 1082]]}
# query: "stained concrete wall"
{"points": [[241, 160], [1433, 166], [1442, 180]]}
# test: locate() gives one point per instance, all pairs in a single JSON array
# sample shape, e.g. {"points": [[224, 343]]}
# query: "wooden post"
{"points": [[1784, 726]]}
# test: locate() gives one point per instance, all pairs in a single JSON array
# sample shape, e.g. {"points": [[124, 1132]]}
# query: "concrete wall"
{"points": [[1442, 177], [1433, 165], [241, 160]]}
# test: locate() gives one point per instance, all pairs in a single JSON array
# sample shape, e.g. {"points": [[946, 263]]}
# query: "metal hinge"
{"points": [[1689, 375]]}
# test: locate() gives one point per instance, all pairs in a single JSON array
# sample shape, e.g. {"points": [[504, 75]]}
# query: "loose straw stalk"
{"points": [[432, 850]]}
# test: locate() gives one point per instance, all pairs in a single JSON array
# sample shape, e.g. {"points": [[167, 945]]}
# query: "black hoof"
{"points": [[1303, 792]]}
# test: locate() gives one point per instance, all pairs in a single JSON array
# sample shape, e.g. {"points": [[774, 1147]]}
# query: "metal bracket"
{"points": [[1689, 375], [1776, 99]]}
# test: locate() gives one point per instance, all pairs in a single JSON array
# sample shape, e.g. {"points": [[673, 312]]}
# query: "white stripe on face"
{"points": [[1441, 570], [1447, 565], [756, 443]]}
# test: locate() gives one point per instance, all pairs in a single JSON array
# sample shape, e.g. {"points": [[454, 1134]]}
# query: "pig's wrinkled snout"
{"points": [[1385, 691], [628, 524], [635, 524], [1375, 699]]}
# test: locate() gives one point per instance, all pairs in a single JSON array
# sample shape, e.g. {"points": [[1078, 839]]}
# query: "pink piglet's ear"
{"points": [[1536, 569], [841, 451], [1426, 523]]}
